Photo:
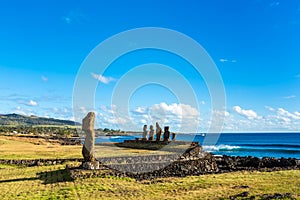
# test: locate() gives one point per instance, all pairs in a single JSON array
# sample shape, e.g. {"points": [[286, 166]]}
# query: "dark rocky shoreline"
{"points": [[231, 163]]}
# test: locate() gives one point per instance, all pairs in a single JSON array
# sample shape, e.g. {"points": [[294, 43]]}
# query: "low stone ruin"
{"points": [[39, 162], [189, 164]]}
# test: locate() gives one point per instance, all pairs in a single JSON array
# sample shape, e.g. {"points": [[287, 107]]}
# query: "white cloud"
{"points": [[222, 113], [270, 108], [180, 110], [289, 97], [140, 110], [297, 76], [223, 60], [180, 117], [185, 118], [19, 110], [102, 79], [278, 119], [284, 113], [24, 111], [44, 78], [31, 103], [250, 114]]}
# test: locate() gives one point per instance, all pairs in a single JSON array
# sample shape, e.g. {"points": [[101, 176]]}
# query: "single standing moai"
{"points": [[166, 134], [144, 136], [89, 142], [158, 132], [151, 133]]}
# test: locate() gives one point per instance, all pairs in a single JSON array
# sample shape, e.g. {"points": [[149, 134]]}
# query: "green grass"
{"points": [[59, 126], [53, 182]]}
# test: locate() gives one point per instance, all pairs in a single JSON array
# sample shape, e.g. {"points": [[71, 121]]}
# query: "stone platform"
{"points": [[155, 145]]}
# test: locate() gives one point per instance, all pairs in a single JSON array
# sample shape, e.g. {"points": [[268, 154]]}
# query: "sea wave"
{"points": [[249, 149], [212, 148], [271, 145]]}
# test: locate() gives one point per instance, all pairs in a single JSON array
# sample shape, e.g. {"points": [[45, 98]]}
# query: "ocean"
{"points": [[239, 144]]}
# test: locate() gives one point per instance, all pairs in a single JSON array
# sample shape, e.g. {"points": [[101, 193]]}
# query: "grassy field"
{"points": [[31, 148], [52, 182]]}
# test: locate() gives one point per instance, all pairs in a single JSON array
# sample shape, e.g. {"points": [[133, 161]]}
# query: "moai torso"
{"points": [[166, 133], [89, 142]]}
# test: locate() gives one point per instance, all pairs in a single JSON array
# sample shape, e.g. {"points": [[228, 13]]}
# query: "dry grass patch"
{"points": [[24, 148]]}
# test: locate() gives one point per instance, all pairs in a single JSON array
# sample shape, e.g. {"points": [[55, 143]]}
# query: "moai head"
{"points": [[145, 127], [151, 127], [166, 129], [88, 122], [157, 125]]}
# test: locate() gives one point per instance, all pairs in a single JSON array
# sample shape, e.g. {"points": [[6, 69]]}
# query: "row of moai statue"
{"points": [[166, 135]]}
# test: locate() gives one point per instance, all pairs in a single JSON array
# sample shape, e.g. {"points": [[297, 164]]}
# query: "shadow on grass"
{"points": [[56, 176], [48, 177], [19, 179]]}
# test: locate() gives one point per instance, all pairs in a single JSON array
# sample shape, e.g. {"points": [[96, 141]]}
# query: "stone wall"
{"points": [[38, 162], [179, 168], [185, 165]]}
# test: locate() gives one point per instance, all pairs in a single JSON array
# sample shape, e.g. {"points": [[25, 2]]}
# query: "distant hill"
{"points": [[16, 119]]}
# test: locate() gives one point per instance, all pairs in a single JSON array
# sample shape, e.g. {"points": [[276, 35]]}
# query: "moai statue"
{"points": [[166, 134], [144, 136], [89, 142], [151, 133], [173, 136], [158, 132]]}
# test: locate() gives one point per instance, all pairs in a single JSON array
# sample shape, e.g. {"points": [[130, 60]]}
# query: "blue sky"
{"points": [[255, 45]]}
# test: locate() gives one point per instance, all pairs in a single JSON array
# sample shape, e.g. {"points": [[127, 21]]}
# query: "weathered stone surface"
{"points": [[158, 132], [231, 163], [173, 136], [185, 165], [91, 165], [89, 142], [166, 134], [144, 136], [151, 133]]}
